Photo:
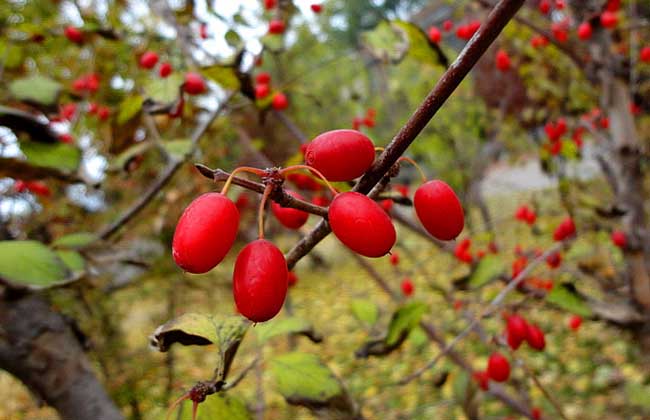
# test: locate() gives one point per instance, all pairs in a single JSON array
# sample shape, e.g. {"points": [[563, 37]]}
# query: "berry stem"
{"points": [[412, 162], [379, 149], [248, 169], [321, 176], [176, 403], [260, 213]]}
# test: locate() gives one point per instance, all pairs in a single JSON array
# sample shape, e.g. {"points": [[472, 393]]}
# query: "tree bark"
{"points": [[40, 348]]}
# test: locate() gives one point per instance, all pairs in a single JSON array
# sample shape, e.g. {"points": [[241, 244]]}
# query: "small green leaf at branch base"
{"points": [[31, 264], [284, 326]]}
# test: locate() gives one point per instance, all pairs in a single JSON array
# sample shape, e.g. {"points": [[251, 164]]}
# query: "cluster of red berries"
{"points": [[148, 61], [368, 120], [263, 89], [88, 83], [466, 31], [208, 226], [463, 254], [526, 214], [566, 229], [35, 187]]}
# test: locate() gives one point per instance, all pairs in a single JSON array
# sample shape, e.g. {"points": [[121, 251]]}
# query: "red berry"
{"points": [[539, 41], [604, 123], [498, 367], [554, 260], [203, 31], [279, 101], [103, 113], [608, 19], [482, 379], [536, 413], [276, 27], [262, 91], [340, 155], [574, 322], [292, 279], [394, 259], [66, 138], [535, 338], [564, 230], [502, 61], [20, 186], [361, 224], [439, 210], [320, 200], [242, 202], [544, 6], [516, 330], [463, 32], [269, 4], [434, 35], [584, 31], [559, 4], [290, 217], [259, 281], [560, 31], [165, 69], [39, 188], [68, 111], [387, 205], [492, 246], [92, 108], [74, 34], [407, 287], [148, 60], [304, 182], [205, 233], [644, 55], [316, 8], [619, 238], [447, 25], [263, 78], [194, 84]]}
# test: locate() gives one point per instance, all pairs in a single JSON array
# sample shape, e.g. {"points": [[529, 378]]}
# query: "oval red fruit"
{"points": [[340, 155], [619, 239], [502, 61], [439, 210], [516, 330], [290, 217], [276, 27], [584, 31], [263, 78], [260, 281], [394, 259], [644, 55], [498, 367], [316, 8], [262, 91], [361, 224], [482, 379], [205, 233], [165, 69], [535, 338], [148, 60], [608, 19], [574, 322], [434, 35], [279, 101], [407, 287], [74, 34], [194, 84], [292, 279]]}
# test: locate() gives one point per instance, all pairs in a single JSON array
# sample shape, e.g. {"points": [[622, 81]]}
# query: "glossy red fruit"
{"points": [[613, 5], [644, 55], [279, 101], [502, 61], [290, 217], [535, 338], [554, 260], [516, 330], [203, 31], [194, 84], [584, 31], [575, 322], [565, 230], [74, 34], [66, 138], [619, 238], [292, 279], [394, 259], [276, 27], [148, 60], [320, 200], [316, 8], [407, 287], [361, 224], [262, 91], [434, 34], [39, 188], [340, 155], [387, 205], [482, 379], [559, 31], [269, 4], [447, 25], [165, 69], [560, 4], [536, 413], [608, 19], [20, 186], [259, 281], [498, 367], [544, 6], [68, 111], [103, 112], [439, 210], [263, 78], [205, 233]]}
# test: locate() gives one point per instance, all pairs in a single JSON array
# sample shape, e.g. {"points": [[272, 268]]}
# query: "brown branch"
{"points": [[466, 60], [166, 176]]}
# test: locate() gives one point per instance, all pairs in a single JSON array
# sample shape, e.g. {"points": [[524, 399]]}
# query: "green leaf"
{"points": [[273, 43], [303, 379], [386, 42], [489, 268], [285, 326], [226, 332], [73, 260], [404, 320], [563, 297], [64, 157], [12, 54], [225, 76], [217, 406], [637, 395], [233, 39], [31, 264], [178, 148], [365, 311], [38, 89], [74, 240], [419, 46], [163, 90], [129, 108]]}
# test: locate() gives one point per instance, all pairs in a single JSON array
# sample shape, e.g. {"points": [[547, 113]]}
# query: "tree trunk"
{"points": [[40, 348]]}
